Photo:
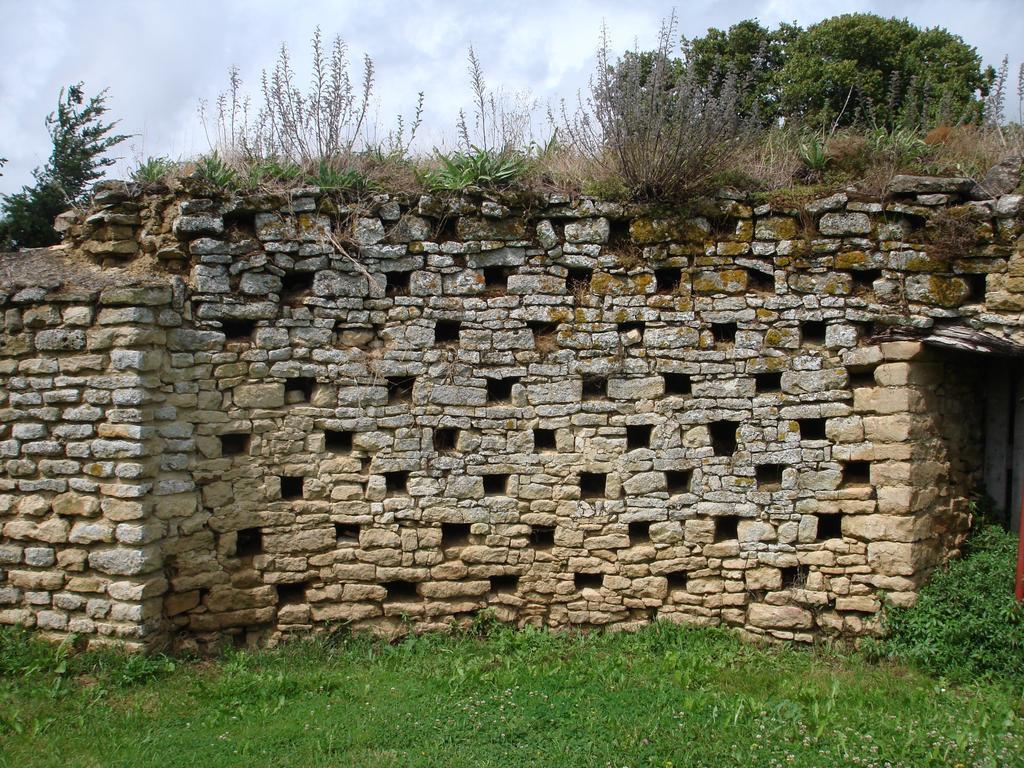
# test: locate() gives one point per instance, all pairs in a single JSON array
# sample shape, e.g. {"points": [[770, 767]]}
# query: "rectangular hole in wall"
{"points": [[396, 483], [587, 580], [812, 333], [856, 473], [638, 436], [299, 389], [496, 278], [864, 280], [667, 279], [545, 335], [811, 429], [765, 383], [346, 533], [496, 485], [248, 542], [760, 282], [338, 441], [636, 325], [794, 577], [544, 440], [830, 527], [727, 527], [861, 376], [595, 387], [592, 485], [445, 439], [723, 333], [400, 389], [290, 594], [291, 487], [500, 390], [723, 437], [769, 476], [454, 534], [447, 331], [577, 281], [296, 286], [676, 579], [677, 383], [678, 480], [401, 590], [505, 584], [976, 286], [235, 444], [542, 536], [639, 532], [237, 330], [397, 283]]}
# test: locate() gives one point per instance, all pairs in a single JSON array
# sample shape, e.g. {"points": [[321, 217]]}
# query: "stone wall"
{"points": [[286, 413]]}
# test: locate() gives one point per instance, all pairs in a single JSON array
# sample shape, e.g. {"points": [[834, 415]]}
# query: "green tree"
{"points": [[885, 71], [751, 51], [80, 142]]}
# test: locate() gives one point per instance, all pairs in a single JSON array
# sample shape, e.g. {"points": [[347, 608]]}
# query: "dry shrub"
{"points": [[651, 119], [970, 150], [771, 163]]}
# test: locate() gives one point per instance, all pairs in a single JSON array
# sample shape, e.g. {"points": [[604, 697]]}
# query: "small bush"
{"points": [[966, 623], [215, 172], [153, 170], [478, 167], [653, 120]]}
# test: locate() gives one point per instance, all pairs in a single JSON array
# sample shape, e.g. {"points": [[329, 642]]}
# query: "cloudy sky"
{"points": [[159, 59]]}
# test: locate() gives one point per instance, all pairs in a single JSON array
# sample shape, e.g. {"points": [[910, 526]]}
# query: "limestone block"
{"points": [[844, 224], [259, 395], [779, 616]]}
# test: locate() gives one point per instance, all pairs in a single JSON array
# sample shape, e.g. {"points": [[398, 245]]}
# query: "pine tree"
{"points": [[80, 141]]}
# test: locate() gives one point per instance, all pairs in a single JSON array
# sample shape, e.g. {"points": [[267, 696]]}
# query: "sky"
{"points": [[160, 59]]}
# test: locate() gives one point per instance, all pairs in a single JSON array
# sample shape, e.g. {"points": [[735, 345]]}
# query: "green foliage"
{"points": [[215, 172], [153, 170], [813, 154], [272, 170], [80, 142], [848, 68], [491, 695], [754, 53], [477, 167], [330, 177], [966, 624], [863, 66]]}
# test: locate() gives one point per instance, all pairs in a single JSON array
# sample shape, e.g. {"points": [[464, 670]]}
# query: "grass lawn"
{"points": [[666, 696]]}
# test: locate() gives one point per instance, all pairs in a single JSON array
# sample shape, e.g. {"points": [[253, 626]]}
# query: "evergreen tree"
{"points": [[80, 141]]}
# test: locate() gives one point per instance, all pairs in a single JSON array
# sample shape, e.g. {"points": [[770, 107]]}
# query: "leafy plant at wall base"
{"points": [[329, 177], [215, 172], [153, 170], [478, 167], [966, 623], [813, 155]]}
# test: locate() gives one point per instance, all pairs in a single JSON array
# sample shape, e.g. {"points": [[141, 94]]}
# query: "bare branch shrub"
{"points": [[657, 124], [321, 130]]}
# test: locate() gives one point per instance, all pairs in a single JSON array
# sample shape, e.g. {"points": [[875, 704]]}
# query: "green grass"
{"points": [[666, 696]]}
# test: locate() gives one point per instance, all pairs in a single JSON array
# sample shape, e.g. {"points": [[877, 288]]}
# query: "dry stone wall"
{"points": [[291, 413]]}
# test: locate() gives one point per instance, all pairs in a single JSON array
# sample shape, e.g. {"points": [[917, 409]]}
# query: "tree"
{"points": [[80, 141], [750, 51], [847, 68], [863, 66]]}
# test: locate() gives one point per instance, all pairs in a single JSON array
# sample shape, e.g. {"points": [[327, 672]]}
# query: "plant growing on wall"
{"points": [[656, 123]]}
